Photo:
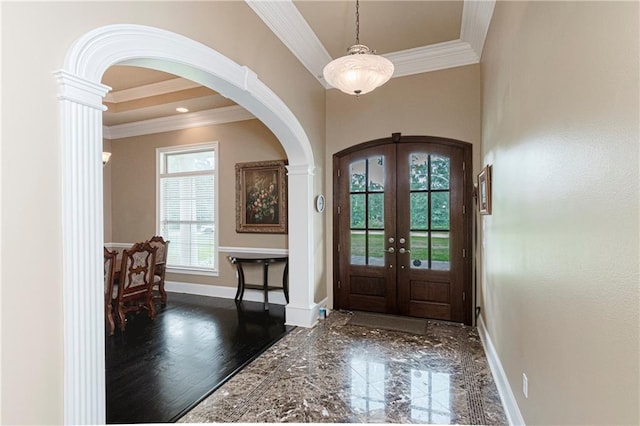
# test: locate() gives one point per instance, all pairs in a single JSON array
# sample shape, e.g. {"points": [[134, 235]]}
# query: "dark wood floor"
{"points": [[157, 370]]}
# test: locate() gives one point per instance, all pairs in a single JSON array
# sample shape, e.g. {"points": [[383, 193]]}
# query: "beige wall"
{"points": [[560, 126], [442, 103], [35, 39], [133, 186]]}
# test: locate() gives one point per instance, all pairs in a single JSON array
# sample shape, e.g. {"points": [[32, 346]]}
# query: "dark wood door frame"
{"points": [[397, 138]]}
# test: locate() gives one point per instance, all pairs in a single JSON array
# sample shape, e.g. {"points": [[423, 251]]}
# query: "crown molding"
{"points": [[448, 54], [476, 17], [178, 122], [286, 22], [153, 89]]}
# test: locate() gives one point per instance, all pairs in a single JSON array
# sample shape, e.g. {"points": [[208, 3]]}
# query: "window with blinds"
{"points": [[187, 194]]}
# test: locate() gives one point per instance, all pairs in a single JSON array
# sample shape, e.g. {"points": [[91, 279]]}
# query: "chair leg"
{"points": [[110, 321], [150, 307], [122, 318], [163, 293]]}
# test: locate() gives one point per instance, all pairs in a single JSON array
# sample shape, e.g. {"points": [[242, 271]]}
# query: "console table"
{"points": [[239, 259]]}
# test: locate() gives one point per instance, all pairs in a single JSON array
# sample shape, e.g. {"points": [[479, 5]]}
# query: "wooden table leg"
{"points": [[240, 292], [285, 281], [265, 285]]}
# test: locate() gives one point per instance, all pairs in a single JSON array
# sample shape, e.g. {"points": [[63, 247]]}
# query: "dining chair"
{"points": [[136, 281], [109, 273], [161, 267]]}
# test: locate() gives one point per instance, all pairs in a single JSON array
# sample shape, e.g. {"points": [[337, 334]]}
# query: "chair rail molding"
{"points": [[80, 94]]}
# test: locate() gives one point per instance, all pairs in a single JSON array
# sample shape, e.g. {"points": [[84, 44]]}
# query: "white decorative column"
{"points": [[301, 308], [83, 286], [81, 125]]}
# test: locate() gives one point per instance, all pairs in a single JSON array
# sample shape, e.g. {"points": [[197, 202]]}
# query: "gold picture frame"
{"points": [[484, 190], [261, 197]]}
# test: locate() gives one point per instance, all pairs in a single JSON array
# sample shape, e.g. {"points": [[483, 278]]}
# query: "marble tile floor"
{"points": [[341, 373]]}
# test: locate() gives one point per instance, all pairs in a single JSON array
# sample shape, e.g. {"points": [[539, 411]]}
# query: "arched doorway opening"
{"points": [[80, 94]]}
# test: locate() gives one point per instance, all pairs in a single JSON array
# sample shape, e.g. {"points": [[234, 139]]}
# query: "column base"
{"points": [[301, 316]]}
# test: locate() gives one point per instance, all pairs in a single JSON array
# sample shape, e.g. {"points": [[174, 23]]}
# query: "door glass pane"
{"points": [[419, 171], [418, 210], [366, 204], [440, 251], [376, 248], [429, 211], [376, 173], [439, 210], [357, 208], [419, 246], [358, 176], [440, 172], [358, 248], [376, 211]]}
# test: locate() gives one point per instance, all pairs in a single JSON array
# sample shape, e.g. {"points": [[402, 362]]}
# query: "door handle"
{"points": [[390, 250], [403, 250]]}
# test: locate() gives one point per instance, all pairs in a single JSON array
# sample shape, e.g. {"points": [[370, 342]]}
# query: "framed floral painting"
{"points": [[261, 197]]}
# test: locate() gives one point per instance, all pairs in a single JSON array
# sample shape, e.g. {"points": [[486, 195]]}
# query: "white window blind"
{"points": [[187, 185]]}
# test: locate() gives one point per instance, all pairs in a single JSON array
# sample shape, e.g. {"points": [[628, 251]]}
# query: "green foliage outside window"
{"points": [[419, 181]]}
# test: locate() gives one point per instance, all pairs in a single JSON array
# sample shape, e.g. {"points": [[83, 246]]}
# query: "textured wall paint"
{"points": [[560, 283], [34, 44]]}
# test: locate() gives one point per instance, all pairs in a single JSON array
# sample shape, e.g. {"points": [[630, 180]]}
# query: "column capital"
{"points": [[79, 90], [301, 169]]}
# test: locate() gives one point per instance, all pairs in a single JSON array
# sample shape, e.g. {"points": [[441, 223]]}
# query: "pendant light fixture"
{"points": [[361, 70]]}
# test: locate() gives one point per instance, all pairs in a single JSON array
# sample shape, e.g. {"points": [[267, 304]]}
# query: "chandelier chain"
{"points": [[357, 21]]}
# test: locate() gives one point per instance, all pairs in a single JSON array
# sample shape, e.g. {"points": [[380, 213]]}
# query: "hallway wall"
{"points": [[560, 126]]}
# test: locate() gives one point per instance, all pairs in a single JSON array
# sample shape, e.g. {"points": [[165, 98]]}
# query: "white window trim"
{"points": [[212, 145]]}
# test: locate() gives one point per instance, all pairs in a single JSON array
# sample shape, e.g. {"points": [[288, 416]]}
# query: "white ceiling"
{"points": [[417, 36]]}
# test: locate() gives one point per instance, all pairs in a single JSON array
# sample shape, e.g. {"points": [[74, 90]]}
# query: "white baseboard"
{"points": [[276, 297], [297, 316], [502, 383]]}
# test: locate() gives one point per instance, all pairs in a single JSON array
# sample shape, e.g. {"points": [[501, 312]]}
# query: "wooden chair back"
{"points": [[161, 267], [136, 280], [162, 246]]}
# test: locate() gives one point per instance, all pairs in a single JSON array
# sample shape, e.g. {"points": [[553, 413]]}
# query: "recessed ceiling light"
{"points": [[182, 109]]}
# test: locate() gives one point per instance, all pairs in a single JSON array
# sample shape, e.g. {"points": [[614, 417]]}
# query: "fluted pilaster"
{"points": [[83, 293]]}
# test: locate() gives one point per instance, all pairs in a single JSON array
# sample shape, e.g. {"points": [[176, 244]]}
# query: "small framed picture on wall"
{"points": [[484, 190]]}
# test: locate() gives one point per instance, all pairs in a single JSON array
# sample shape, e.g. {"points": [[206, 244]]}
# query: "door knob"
{"points": [[403, 250], [390, 250]]}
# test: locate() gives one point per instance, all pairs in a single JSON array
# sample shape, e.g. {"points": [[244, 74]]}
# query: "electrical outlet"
{"points": [[525, 385]]}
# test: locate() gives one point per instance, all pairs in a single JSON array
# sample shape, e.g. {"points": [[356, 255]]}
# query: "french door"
{"points": [[402, 228]]}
